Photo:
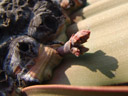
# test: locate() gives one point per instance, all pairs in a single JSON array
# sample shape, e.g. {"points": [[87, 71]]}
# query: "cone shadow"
{"points": [[98, 61]]}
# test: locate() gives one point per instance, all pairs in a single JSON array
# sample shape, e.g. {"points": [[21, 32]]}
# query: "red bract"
{"points": [[73, 45]]}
